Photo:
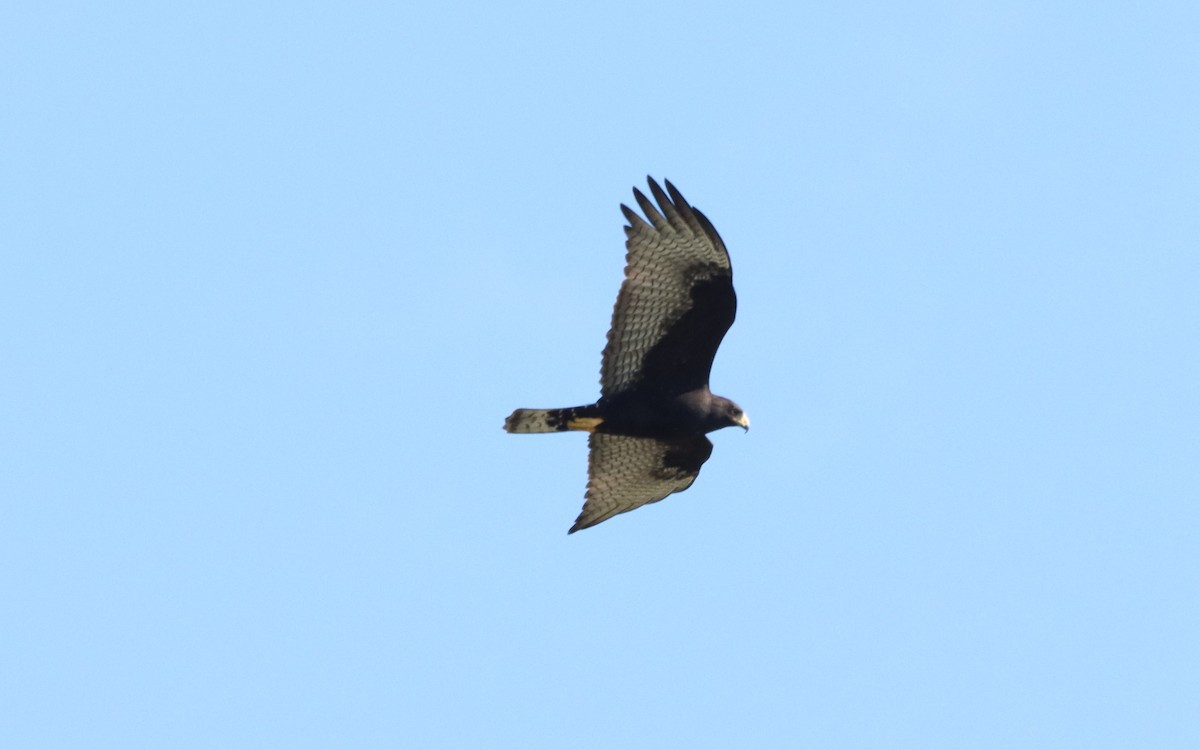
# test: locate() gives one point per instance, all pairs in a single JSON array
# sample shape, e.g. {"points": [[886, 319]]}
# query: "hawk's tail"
{"points": [[585, 418]]}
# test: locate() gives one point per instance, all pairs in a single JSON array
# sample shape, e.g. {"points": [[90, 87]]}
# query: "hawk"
{"points": [[647, 431]]}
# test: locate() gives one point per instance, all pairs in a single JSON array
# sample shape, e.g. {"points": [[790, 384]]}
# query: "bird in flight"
{"points": [[647, 431]]}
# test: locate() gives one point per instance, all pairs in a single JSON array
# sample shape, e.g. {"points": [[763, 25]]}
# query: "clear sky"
{"points": [[272, 275]]}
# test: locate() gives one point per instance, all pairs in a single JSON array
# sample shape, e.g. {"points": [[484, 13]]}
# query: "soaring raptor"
{"points": [[648, 428]]}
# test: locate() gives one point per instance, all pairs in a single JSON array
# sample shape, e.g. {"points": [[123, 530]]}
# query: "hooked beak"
{"points": [[744, 422]]}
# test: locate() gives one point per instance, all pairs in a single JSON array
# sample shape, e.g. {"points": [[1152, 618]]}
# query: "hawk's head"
{"points": [[729, 414]]}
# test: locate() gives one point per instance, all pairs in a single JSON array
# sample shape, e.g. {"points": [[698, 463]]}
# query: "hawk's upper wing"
{"points": [[676, 302], [627, 472]]}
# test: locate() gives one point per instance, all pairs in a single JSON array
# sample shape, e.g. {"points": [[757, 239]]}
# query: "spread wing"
{"points": [[627, 472], [676, 302]]}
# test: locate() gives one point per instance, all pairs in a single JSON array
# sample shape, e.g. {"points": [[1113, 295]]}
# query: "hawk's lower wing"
{"points": [[627, 472]]}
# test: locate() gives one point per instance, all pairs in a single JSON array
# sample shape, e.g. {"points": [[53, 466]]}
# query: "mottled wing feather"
{"points": [[676, 264], [627, 472]]}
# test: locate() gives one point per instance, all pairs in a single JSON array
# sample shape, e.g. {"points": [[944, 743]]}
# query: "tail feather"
{"points": [[553, 420]]}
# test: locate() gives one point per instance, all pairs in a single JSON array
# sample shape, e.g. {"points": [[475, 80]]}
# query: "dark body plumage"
{"points": [[676, 303]]}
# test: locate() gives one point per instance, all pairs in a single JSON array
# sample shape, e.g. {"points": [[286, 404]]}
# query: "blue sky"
{"points": [[273, 275]]}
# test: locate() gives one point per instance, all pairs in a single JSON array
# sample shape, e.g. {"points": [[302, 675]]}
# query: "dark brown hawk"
{"points": [[676, 303]]}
